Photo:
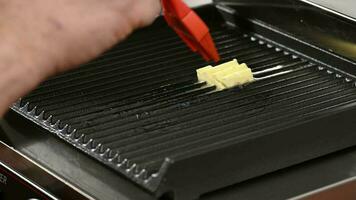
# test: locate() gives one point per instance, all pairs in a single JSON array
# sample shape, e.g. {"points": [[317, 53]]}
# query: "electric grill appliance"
{"points": [[135, 124]]}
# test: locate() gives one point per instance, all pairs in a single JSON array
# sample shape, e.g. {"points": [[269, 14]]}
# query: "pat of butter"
{"points": [[215, 78], [226, 75], [227, 65], [237, 78], [243, 66], [206, 74]]}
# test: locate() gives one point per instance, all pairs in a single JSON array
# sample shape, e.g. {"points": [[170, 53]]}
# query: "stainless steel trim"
{"points": [[330, 10], [44, 169], [28, 181]]}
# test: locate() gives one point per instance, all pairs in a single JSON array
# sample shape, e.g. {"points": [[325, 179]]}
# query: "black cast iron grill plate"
{"points": [[140, 103]]}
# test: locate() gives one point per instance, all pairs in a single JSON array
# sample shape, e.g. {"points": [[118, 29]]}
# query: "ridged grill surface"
{"points": [[142, 98]]}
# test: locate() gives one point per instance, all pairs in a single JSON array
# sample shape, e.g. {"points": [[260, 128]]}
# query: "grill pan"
{"points": [[139, 110]]}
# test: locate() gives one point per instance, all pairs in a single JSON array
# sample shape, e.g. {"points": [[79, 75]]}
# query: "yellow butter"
{"points": [[215, 78], [227, 65], [226, 75], [237, 78], [204, 73], [243, 66]]}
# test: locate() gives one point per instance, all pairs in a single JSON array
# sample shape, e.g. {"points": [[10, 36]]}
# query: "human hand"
{"points": [[43, 37]]}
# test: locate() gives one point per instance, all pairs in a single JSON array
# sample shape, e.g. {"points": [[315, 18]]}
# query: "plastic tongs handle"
{"points": [[190, 28]]}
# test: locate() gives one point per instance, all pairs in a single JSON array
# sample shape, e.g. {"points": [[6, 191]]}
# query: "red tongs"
{"points": [[190, 28]]}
